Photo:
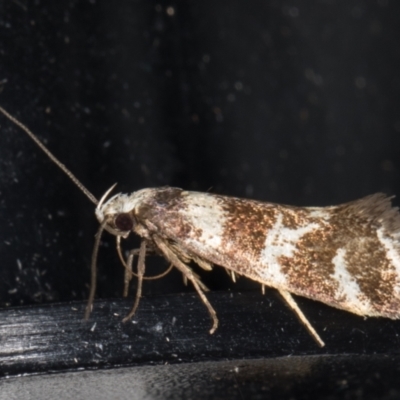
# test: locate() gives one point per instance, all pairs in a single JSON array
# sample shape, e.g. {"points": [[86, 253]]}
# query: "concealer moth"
{"points": [[346, 256]]}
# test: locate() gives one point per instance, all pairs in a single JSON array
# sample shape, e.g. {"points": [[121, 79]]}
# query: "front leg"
{"points": [[140, 273], [128, 273], [127, 264]]}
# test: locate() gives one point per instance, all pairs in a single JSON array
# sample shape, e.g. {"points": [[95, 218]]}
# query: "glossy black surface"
{"points": [[175, 329]]}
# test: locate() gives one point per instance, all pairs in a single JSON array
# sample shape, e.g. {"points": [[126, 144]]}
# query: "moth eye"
{"points": [[123, 222]]}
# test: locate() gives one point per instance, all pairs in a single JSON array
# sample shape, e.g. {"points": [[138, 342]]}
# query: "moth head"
{"points": [[117, 214]]}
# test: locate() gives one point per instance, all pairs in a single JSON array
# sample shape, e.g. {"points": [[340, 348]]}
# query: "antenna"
{"points": [[50, 155]]}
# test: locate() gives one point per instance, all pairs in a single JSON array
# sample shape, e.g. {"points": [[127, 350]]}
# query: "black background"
{"points": [[287, 101]]}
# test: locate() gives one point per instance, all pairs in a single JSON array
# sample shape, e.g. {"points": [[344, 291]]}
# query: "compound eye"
{"points": [[123, 222]]}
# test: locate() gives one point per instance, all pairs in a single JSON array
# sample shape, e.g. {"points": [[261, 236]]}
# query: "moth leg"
{"points": [[185, 279], [188, 273], [93, 268], [203, 287], [140, 273], [128, 273], [126, 264], [293, 305]]}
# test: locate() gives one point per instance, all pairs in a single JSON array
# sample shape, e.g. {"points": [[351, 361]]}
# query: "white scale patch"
{"points": [[319, 213], [347, 286], [280, 242], [205, 212]]}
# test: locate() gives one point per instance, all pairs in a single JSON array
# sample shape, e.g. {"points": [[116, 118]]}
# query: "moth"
{"points": [[346, 256]]}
